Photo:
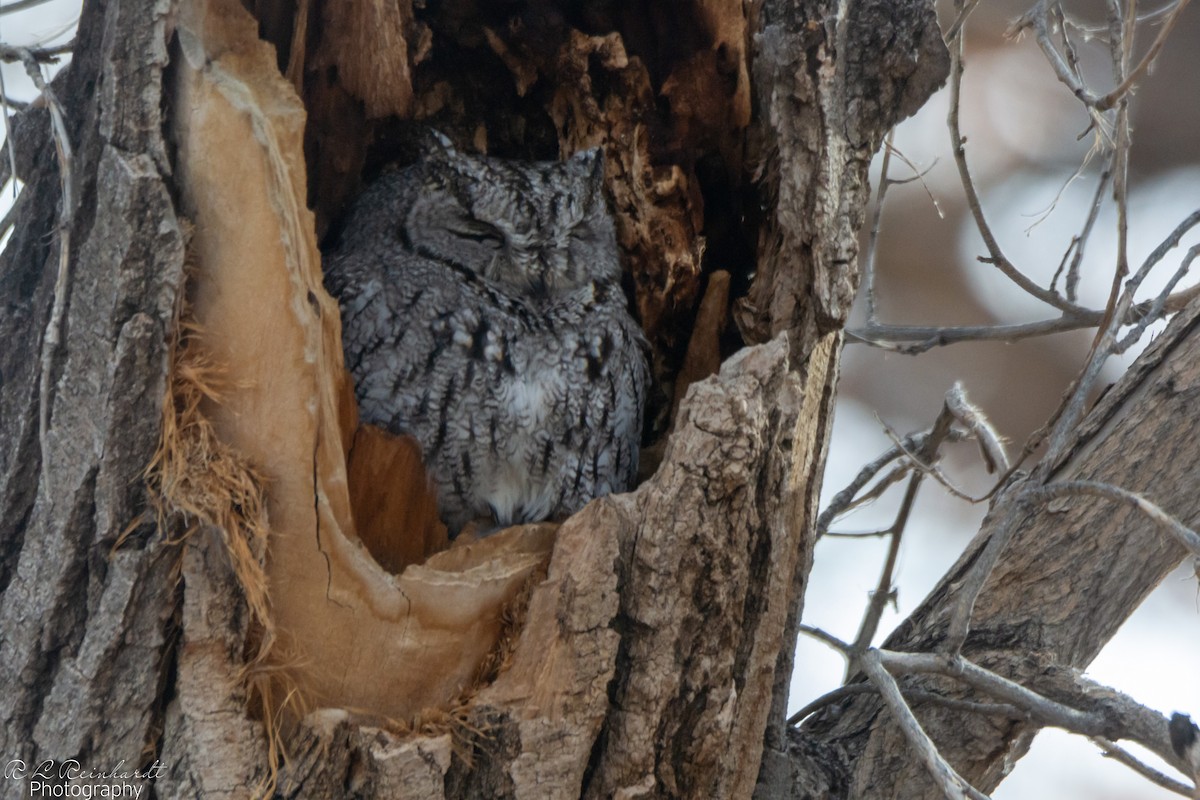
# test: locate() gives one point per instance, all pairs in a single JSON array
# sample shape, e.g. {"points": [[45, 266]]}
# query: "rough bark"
{"points": [[87, 612], [825, 95]]}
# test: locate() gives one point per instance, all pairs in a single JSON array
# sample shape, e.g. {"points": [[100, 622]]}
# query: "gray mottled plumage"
{"points": [[482, 313]]}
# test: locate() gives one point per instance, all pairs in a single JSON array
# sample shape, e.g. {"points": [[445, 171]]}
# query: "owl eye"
{"points": [[476, 231], [583, 232]]}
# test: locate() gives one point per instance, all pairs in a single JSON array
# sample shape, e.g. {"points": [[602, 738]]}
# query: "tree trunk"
{"points": [[653, 648]]}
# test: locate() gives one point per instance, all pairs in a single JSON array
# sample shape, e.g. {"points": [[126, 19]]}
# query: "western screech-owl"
{"points": [[482, 314]]}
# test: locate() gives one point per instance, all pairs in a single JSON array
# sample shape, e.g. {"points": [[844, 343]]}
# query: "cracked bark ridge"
{"points": [[706, 575], [826, 90], [210, 748], [828, 87], [85, 623]]}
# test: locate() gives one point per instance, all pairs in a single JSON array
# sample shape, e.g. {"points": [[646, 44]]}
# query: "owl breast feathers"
{"points": [[482, 314]]}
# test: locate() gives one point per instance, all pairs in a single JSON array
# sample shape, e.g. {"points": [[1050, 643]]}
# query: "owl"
{"points": [[482, 314]]}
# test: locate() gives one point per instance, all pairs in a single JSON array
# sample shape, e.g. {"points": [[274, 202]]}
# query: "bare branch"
{"points": [[894, 476], [858, 534], [1109, 100], [1066, 69], [1183, 534], [976, 422], [916, 339], [1113, 751], [54, 328], [1159, 303], [1165, 246], [1042, 708], [1006, 710], [44, 55], [958, 146], [1116, 716], [1092, 30], [961, 19], [829, 698], [868, 260], [1072, 286], [1037, 18], [885, 590], [826, 638], [1010, 506], [20, 5], [952, 784], [1113, 715], [931, 469], [845, 500]]}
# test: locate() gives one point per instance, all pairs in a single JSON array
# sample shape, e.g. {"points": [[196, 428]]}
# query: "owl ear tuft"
{"points": [[590, 164], [435, 144]]}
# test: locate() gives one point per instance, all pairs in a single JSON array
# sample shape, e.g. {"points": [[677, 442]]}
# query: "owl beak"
{"points": [[591, 163], [436, 143]]}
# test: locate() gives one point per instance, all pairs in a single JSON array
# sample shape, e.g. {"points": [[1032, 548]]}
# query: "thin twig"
{"points": [[916, 339], [20, 5], [868, 260], [991, 446], [1009, 506], [918, 175], [1072, 286], [1116, 314], [10, 216], [1182, 533], [1109, 100], [829, 698], [870, 257], [958, 147], [844, 500], [1160, 302], [960, 19], [894, 476], [45, 55], [1060, 18], [885, 590], [858, 534], [54, 328], [1117, 753], [1115, 715], [1006, 710], [932, 470], [952, 784], [1044, 710], [826, 638], [1091, 30]]}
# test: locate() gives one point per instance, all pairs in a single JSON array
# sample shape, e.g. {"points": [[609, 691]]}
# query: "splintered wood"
{"points": [[666, 96], [356, 636]]}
